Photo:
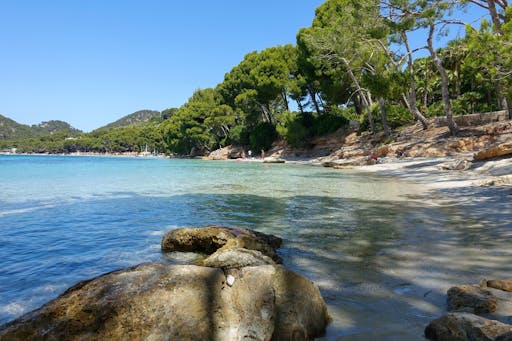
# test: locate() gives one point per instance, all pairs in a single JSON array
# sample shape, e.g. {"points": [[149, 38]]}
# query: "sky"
{"points": [[90, 62]]}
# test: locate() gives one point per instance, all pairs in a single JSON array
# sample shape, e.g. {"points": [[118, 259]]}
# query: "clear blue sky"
{"points": [[90, 62]]}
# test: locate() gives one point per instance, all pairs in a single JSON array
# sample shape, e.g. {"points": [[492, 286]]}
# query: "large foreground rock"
{"points": [[180, 302], [466, 326]]}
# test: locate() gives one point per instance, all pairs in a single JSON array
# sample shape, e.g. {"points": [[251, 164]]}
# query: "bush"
{"points": [[262, 136], [238, 135], [293, 128], [398, 115], [331, 121]]}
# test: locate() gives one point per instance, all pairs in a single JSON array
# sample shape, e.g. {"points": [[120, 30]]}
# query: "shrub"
{"points": [[262, 136]]}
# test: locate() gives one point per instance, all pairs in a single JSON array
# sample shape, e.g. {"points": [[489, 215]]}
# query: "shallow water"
{"points": [[382, 251]]}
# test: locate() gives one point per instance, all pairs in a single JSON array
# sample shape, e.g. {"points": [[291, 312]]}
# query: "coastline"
{"points": [[131, 155], [434, 172]]}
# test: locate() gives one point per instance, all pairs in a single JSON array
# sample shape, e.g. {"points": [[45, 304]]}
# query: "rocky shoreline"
{"points": [[471, 313], [237, 291]]}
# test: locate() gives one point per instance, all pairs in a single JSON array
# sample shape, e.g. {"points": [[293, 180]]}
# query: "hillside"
{"points": [[10, 129], [140, 116], [348, 147], [53, 126]]}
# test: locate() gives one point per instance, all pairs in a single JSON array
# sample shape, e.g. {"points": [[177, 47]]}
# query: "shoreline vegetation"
{"points": [[479, 156]]}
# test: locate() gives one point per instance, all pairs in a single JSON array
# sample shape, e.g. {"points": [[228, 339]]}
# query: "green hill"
{"points": [[54, 126], [10, 129], [141, 116]]}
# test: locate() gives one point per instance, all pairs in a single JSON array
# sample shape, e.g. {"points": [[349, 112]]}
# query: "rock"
{"points": [[497, 181], [505, 337], [236, 153], [298, 303], [250, 242], [180, 302], [230, 280], [273, 160], [382, 151], [471, 298], [235, 258], [220, 154], [465, 326], [461, 165], [209, 239], [202, 240], [500, 284], [493, 152], [344, 164]]}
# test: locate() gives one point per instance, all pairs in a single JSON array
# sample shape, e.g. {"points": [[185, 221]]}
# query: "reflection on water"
{"points": [[382, 251]]}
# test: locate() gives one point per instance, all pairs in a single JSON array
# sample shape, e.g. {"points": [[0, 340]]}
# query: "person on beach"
{"points": [[262, 154]]}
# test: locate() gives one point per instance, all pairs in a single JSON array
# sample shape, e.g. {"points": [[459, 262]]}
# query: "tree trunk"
{"points": [[384, 116], [412, 92], [299, 105], [365, 98], [312, 94], [444, 83], [285, 100], [494, 16], [509, 108], [502, 101], [458, 81], [267, 115]]}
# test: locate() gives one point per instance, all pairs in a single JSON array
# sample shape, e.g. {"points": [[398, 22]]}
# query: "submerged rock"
{"points": [[500, 284], [180, 302], [471, 298], [465, 326]]}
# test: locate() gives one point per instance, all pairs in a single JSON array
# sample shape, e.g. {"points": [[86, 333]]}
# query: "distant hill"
{"points": [[53, 126], [141, 116], [10, 129]]}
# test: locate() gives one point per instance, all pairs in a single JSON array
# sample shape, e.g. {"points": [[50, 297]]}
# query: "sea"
{"points": [[383, 251]]}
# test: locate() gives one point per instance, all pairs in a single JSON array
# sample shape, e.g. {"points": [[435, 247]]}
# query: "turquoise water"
{"points": [[382, 251]]}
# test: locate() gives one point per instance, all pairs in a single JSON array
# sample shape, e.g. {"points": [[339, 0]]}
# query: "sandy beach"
{"points": [[437, 172]]}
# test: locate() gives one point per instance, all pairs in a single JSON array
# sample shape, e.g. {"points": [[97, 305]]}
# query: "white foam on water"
{"points": [[25, 210], [156, 233], [13, 309]]}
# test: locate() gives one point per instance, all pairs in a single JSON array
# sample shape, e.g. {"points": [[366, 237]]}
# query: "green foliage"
{"points": [[293, 128], [262, 136], [398, 115], [330, 121]]}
